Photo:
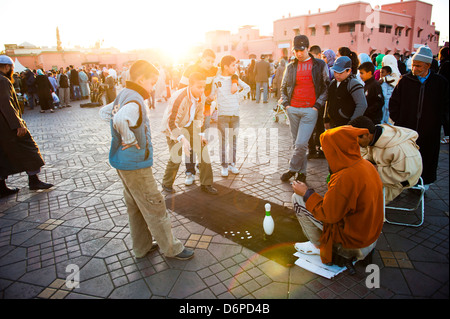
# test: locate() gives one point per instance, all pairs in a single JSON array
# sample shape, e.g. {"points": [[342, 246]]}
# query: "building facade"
{"points": [[401, 27], [398, 27]]}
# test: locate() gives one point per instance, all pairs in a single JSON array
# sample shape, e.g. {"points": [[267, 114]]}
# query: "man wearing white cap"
{"points": [[419, 102], [18, 150]]}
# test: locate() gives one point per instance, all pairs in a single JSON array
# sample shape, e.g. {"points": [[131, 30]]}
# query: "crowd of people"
{"points": [[376, 120]]}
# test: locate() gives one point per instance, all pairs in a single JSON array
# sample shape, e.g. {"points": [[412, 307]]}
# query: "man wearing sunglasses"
{"points": [[303, 94]]}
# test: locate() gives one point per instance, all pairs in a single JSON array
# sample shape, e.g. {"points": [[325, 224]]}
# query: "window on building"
{"points": [[313, 31], [385, 28], [296, 31], [407, 32], [398, 31], [285, 32], [346, 27], [225, 48], [419, 32], [327, 29], [362, 26], [219, 48]]}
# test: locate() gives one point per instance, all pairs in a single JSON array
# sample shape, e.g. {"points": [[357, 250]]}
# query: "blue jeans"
{"points": [[265, 86], [302, 121], [31, 97], [76, 92], [228, 125]]}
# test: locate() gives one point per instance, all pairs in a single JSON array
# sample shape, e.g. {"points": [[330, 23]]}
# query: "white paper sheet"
{"points": [[314, 264]]}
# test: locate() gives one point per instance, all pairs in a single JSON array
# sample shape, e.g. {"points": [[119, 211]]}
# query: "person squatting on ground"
{"points": [[18, 150], [303, 94], [393, 151], [182, 123], [131, 154], [230, 91], [348, 220]]}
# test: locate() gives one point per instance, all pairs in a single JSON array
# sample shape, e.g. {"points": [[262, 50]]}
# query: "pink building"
{"points": [[398, 27]]}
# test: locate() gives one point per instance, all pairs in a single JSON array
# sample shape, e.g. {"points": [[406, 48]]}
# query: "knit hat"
{"points": [[424, 54], [4, 59]]}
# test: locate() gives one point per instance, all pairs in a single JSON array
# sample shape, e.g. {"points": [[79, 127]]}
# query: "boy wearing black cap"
{"points": [[303, 94]]}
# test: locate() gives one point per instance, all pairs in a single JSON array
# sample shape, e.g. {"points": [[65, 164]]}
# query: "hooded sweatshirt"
{"points": [[352, 209]]}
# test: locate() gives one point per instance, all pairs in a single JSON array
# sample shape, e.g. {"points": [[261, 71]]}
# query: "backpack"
{"points": [[63, 81]]}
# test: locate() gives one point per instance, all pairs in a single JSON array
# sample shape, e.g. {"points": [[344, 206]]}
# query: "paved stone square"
{"points": [[82, 221]]}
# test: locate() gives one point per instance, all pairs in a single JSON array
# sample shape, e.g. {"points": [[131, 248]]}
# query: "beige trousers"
{"points": [[148, 217], [175, 150], [312, 228]]}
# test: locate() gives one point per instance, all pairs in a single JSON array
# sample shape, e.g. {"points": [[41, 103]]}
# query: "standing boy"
{"points": [[182, 123], [131, 154], [226, 86], [346, 99], [373, 93]]}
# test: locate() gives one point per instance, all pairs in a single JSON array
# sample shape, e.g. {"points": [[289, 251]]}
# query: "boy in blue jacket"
{"points": [[131, 154]]}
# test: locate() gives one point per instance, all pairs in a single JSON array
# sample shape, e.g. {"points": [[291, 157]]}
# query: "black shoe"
{"points": [[287, 176], [185, 254], [167, 189], [209, 189], [312, 154], [34, 183], [301, 178], [5, 191], [39, 185]]}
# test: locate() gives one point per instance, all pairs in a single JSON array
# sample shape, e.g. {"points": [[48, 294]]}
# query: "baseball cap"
{"points": [[301, 42], [341, 64], [4, 59]]}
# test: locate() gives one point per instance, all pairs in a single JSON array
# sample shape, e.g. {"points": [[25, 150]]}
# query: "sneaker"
{"points": [[167, 189], [287, 176], [185, 254], [209, 189], [233, 169], [301, 178], [152, 249], [190, 178], [224, 172]]}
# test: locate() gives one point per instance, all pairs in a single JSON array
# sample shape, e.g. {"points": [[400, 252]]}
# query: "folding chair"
{"points": [[420, 203]]}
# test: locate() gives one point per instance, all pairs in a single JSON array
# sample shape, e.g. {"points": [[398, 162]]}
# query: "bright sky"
{"points": [[170, 24]]}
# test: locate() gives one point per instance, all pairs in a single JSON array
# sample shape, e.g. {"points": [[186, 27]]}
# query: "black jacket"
{"points": [[17, 154], [345, 102], [320, 76], [421, 107], [375, 100]]}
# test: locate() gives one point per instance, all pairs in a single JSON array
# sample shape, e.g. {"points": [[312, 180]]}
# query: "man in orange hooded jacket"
{"points": [[349, 218]]}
